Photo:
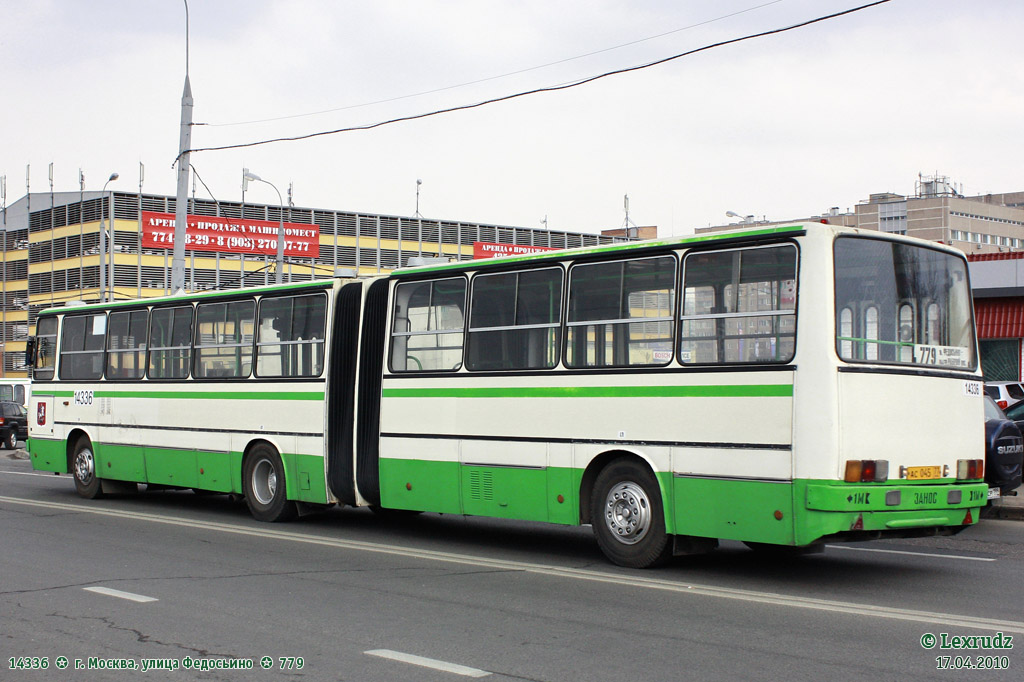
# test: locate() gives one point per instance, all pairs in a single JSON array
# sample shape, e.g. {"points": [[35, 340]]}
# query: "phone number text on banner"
{"points": [[234, 235]]}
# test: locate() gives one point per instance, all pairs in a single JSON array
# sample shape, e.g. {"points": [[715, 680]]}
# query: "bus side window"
{"points": [[621, 313], [82, 341], [290, 334], [514, 320], [126, 344], [846, 333], [739, 306], [170, 342], [871, 332], [906, 333], [933, 325], [427, 325], [46, 347], [224, 339]]}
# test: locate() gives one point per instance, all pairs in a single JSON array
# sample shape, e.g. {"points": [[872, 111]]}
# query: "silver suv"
{"points": [[1005, 393]]}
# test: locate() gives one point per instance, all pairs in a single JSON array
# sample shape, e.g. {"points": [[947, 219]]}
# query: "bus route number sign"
{"points": [[942, 356]]}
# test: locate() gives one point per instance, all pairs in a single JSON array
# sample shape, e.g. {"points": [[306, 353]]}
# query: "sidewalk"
{"points": [[1010, 507]]}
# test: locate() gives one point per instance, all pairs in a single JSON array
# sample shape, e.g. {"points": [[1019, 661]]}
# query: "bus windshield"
{"points": [[901, 303]]}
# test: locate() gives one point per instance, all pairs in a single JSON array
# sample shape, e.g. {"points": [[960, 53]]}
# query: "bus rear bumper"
{"points": [[842, 512], [895, 498]]}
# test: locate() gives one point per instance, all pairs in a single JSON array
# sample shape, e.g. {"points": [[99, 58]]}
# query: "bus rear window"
{"points": [[903, 304]]}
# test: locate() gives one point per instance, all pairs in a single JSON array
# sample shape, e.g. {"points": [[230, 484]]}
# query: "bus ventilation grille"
{"points": [[481, 485]]}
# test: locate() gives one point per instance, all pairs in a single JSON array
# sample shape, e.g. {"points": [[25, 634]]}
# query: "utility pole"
{"points": [[181, 198]]}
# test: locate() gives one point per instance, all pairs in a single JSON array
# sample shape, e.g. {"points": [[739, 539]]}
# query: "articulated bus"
{"points": [[780, 386]]}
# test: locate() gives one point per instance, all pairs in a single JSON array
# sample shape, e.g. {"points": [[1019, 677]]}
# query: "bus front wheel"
{"points": [[263, 478], [83, 468], [628, 516]]}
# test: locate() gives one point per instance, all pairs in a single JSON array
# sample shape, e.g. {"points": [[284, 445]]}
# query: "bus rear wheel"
{"points": [[83, 468], [628, 516], [263, 479]]}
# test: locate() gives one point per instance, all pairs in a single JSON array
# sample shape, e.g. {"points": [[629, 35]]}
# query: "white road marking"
{"points": [[896, 551], [26, 473], [630, 580], [432, 663], [120, 595]]}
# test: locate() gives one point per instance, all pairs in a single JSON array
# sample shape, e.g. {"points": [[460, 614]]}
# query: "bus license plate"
{"points": [[923, 473], [994, 493]]}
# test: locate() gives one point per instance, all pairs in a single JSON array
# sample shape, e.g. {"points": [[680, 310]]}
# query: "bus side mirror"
{"points": [[30, 352]]}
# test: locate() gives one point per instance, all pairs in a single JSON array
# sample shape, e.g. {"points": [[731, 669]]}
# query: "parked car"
{"points": [[1004, 450], [13, 423], [1005, 393]]}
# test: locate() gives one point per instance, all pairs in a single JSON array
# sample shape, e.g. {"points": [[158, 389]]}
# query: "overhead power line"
{"points": [[535, 91], [491, 78]]}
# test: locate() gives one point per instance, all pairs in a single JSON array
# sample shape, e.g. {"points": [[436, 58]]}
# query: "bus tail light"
{"points": [[967, 469], [866, 470]]}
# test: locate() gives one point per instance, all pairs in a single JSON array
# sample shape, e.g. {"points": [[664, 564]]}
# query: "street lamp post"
{"points": [[745, 219], [246, 175], [103, 242]]}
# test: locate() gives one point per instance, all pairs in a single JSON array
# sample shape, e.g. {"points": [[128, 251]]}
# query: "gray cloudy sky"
{"points": [[783, 126]]}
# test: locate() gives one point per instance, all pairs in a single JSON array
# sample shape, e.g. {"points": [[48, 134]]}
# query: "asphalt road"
{"points": [[182, 579]]}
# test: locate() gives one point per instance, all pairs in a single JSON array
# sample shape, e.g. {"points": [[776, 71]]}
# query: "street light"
{"points": [[252, 177], [103, 243], [743, 218]]}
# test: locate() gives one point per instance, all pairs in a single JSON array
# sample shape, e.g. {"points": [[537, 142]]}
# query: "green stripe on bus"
{"points": [[195, 395], [751, 391], [561, 254]]}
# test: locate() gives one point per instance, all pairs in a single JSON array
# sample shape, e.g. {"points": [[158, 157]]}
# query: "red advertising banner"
{"points": [[492, 250], [234, 235]]}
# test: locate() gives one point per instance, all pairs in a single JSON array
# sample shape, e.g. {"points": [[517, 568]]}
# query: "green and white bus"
{"points": [[17, 390], [782, 386]]}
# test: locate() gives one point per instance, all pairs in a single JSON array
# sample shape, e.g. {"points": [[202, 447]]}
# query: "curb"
{"points": [[1011, 507], [1011, 513]]}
